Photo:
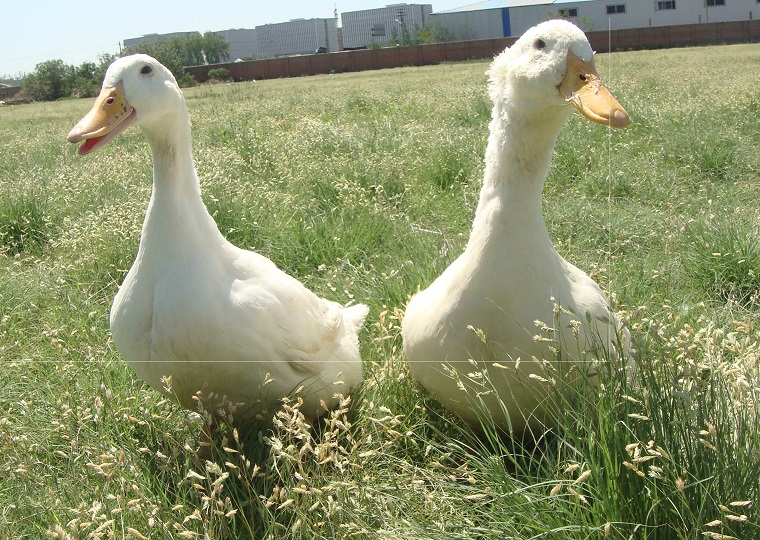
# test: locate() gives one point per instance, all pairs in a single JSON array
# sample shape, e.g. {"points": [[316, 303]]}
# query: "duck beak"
{"points": [[110, 115], [583, 88]]}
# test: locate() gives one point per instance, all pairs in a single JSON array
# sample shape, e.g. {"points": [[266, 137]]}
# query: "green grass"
{"points": [[724, 258], [364, 187]]}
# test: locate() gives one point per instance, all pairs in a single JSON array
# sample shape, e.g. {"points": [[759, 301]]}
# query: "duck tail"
{"points": [[355, 316]]}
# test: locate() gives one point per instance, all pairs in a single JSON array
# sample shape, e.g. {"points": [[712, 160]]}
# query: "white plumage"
{"points": [[194, 307], [480, 314]]}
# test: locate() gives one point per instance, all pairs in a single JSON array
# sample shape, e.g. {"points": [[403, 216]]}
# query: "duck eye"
{"points": [[539, 44], [146, 70]]}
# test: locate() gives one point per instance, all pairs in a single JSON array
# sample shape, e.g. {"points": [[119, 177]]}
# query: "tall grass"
{"points": [[364, 187]]}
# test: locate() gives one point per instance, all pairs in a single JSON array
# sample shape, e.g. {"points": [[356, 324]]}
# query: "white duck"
{"points": [[194, 307], [480, 314]]}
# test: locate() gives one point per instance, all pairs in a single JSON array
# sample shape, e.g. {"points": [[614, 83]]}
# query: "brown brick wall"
{"points": [[420, 55]]}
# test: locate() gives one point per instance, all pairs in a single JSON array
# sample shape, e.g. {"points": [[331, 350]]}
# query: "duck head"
{"points": [[552, 65], [137, 89]]}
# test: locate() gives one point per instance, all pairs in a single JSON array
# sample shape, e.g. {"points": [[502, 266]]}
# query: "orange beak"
{"points": [[110, 115], [583, 88]]}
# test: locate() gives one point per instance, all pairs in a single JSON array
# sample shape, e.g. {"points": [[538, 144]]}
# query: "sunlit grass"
{"points": [[364, 187]]}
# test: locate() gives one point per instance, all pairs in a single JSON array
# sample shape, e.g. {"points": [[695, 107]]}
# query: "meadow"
{"points": [[364, 187]]}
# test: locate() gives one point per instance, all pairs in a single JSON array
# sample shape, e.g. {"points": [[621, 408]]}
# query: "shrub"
{"points": [[220, 74]]}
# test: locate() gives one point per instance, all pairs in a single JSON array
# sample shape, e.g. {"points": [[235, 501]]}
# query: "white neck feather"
{"points": [[517, 162], [176, 216]]}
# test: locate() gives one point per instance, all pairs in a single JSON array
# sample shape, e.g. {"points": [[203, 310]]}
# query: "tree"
{"points": [[191, 49], [104, 60], [50, 80], [215, 48], [82, 82], [53, 79], [433, 32], [206, 49], [89, 76]]}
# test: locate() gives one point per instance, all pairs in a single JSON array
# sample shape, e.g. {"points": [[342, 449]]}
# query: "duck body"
{"points": [[196, 313], [482, 336]]}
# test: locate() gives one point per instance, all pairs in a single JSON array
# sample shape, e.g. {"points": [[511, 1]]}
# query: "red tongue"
{"points": [[88, 145]]}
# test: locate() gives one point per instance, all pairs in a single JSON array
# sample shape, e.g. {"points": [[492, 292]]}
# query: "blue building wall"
{"points": [[505, 22]]}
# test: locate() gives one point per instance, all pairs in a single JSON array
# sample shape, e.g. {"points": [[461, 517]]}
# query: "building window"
{"points": [[662, 5], [378, 30], [711, 3], [569, 12], [618, 8]]}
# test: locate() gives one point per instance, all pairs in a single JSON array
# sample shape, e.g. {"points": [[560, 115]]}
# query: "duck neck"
{"points": [[173, 169], [176, 208], [517, 162]]}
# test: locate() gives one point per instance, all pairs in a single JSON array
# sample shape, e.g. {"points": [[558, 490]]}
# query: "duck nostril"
{"points": [[110, 100], [583, 77]]}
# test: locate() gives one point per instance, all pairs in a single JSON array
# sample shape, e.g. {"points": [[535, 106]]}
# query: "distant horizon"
{"points": [[76, 33]]}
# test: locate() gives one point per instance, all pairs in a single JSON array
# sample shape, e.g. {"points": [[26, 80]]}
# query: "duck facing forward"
{"points": [[193, 307], [469, 338]]}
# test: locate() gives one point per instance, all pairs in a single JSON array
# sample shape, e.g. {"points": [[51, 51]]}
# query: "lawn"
{"points": [[364, 187]]}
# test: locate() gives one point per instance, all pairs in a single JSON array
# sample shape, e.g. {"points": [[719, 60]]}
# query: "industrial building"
{"points": [[505, 18], [395, 22], [299, 36], [488, 19], [242, 43], [360, 29], [131, 42]]}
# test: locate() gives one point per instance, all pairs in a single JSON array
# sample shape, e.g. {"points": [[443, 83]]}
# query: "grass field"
{"points": [[364, 187]]}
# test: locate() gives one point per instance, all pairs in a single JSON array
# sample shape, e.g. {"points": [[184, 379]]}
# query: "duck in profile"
{"points": [[470, 337], [196, 310]]}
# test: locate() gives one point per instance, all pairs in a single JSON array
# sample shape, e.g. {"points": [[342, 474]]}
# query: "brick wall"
{"points": [[420, 55]]}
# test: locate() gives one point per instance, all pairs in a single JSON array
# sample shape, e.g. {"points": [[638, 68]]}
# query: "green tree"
{"points": [[49, 81], [82, 82], [104, 60], [54, 80], [191, 49], [433, 32], [215, 48], [199, 50]]}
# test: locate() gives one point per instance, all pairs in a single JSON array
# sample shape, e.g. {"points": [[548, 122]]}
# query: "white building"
{"points": [[299, 36], [394, 22], [242, 43], [504, 18], [130, 42]]}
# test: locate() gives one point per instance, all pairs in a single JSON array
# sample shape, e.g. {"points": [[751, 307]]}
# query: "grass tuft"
{"points": [[25, 225], [724, 260]]}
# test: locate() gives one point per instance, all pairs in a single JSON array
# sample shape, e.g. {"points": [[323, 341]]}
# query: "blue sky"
{"points": [[34, 31]]}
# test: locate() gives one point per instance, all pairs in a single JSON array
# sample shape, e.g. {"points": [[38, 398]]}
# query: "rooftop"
{"points": [[500, 4]]}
